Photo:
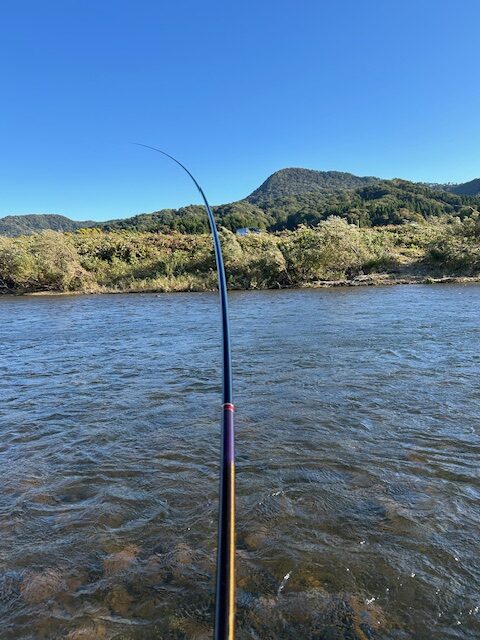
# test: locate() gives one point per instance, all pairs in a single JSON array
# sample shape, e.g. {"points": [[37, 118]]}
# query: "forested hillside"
{"points": [[289, 198], [296, 181], [31, 223], [471, 188], [296, 196]]}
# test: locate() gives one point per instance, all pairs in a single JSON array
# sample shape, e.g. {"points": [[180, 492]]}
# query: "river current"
{"points": [[358, 447]]}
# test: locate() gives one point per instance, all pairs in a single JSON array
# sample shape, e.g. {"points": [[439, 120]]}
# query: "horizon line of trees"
{"points": [[374, 204], [385, 202]]}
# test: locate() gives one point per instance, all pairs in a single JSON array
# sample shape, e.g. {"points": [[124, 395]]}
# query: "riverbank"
{"points": [[332, 254], [373, 280], [383, 279]]}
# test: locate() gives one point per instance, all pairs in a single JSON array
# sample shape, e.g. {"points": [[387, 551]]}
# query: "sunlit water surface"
{"points": [[358, 449]]}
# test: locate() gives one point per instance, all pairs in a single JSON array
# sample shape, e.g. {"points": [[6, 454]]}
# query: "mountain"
{"points": [[31, 223], [289, 182], [289, 198], [471, 188], [293, 197]]}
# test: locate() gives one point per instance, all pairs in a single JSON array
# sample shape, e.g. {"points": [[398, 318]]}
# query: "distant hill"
{"points": [[31, 223], [290, 182], [289, 198], [292, 197], [471, 188]]}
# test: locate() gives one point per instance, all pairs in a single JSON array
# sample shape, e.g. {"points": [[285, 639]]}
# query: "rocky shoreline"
{"points": [[375, 279], [382, 279]]}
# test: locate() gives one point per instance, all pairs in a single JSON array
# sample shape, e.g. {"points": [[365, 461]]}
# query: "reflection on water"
{"points": [[357, 443]]}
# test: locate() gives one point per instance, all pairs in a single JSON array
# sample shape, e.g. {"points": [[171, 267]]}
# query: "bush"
{"points": [[45, 261], [333, 250]]}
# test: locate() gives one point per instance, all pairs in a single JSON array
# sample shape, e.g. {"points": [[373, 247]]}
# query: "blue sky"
{"points": [[236, 90]]}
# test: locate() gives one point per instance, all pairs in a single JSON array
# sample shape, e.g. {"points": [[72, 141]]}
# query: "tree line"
{"points": [[382, 203]]}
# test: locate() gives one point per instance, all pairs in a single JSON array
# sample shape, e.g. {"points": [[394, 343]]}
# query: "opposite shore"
{"points": [[377, 280], [331, 254]]}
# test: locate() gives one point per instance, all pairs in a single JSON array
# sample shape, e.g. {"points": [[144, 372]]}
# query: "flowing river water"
{"points": [[358, 447]]}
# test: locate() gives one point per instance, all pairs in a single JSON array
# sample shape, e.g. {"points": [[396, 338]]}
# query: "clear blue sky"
{"points": [[236, 90]]}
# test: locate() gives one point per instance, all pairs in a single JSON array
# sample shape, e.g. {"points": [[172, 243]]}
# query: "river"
{"points": [[358, 446]]}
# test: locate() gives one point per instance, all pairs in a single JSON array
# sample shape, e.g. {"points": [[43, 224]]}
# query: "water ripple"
{"points": [[358, 440]]}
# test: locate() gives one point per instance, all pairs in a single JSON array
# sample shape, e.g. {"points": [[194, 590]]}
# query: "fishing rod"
{"points": [[225, 580]]}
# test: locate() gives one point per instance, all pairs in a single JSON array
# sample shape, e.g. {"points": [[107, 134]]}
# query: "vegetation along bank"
{"points": [[332, 252], [315, 228]]}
